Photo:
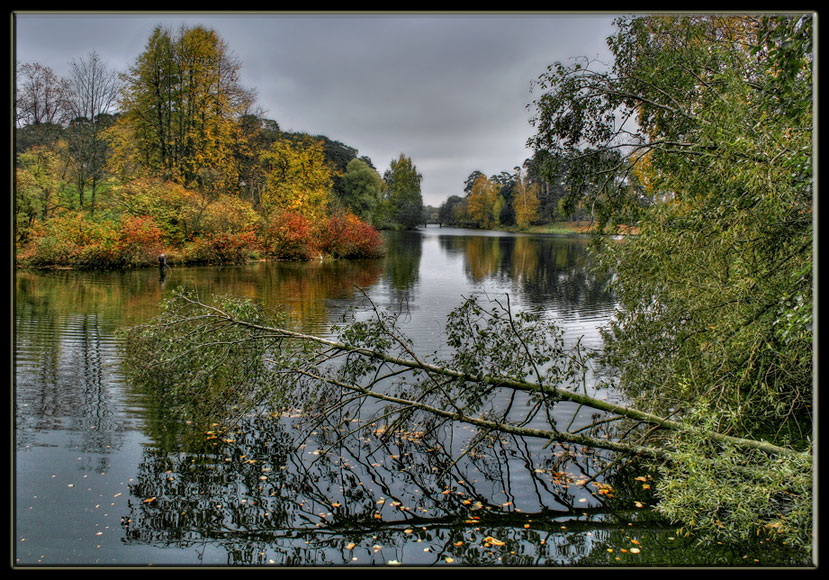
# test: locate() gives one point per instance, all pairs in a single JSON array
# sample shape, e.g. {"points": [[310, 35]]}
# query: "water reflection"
{"points": [[545, 270], [267, 497], [90, 448]]}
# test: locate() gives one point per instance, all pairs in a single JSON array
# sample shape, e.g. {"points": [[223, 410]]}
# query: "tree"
{"points": [[524, 200], [403, 198], [40, 96], [446, 212], [470, 180], [483, 204], [503, 373], [256, 134], [182, 104], [38, 181], [297, 178], [403, 192], [92, 94], [362, 189], [701, 135]]}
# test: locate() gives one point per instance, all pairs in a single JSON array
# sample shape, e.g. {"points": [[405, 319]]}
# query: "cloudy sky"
{"points": [[448, 90]]}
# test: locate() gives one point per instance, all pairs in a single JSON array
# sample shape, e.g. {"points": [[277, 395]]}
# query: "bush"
{"points": [[288, 236], [346, 236], [139, 243], [293, 236], [75, 240], [223, 248]]}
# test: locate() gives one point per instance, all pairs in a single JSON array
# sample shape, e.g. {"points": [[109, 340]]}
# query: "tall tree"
{"points": [[710, 118], [403, 192], [38, 180], [183, 102], [362, 189], [482, 201], [40, 96], [93, 91], [298, 179], [447, 212], [524, 199]]}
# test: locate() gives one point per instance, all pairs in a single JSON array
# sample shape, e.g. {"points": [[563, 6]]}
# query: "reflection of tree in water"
{"points": [[266, 494], [65, 364], [540, 268], [402, 268]]}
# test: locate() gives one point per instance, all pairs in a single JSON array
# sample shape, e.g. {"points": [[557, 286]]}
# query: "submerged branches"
{"points": [[233, 350], [504, 374]]}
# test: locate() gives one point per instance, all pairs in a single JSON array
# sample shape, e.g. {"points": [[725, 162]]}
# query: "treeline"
{"points": [[538, 192], [113, 167]]}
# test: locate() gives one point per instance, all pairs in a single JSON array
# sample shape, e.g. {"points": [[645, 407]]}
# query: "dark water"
{"points": [[103, 477]]}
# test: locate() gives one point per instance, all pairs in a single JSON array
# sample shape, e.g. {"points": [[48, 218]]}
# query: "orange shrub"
{"points": [[223, 248], [139, 242], [288, 236], [346, 236]]}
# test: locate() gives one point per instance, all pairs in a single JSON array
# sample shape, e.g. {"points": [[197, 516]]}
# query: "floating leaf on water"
{"points": [[493, 541]]}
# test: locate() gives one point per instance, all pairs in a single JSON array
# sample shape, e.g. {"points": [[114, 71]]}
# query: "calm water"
{"points": [[104, 477]]}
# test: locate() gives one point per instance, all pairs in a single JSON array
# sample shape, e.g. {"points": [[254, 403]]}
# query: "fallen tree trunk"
{"points": [[269, 332]]}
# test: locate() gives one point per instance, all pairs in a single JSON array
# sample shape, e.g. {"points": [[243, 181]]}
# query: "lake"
{"points": [[105, 477]]}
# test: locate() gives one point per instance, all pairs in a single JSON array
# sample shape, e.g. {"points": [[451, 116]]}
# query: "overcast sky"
{"points": [[448, 90]]}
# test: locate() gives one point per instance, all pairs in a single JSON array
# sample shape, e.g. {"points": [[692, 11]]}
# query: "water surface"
{"points": [[103, 476]]}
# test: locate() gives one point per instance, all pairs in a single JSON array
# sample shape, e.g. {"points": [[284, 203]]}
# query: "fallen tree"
{"points": [[502, 372]]}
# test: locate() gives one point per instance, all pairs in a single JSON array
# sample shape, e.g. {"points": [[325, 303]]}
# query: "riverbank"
{"points": [[566, 228], [77, 241]]}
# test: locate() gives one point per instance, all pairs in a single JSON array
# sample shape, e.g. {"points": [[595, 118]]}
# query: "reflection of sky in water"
{"points": [[565, 293]]}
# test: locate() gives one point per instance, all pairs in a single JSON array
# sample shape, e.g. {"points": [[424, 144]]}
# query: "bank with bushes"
{"points": [[76, 240]]}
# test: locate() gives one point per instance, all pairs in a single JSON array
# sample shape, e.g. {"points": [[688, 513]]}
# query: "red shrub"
{"points": [[139, 242], [346, 236], [289, 237], [224, 248]]}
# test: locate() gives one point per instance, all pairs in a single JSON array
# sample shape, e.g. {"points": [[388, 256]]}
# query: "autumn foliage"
{"points": [[186, 170], [288, 236], [75, 240], [294, 236], [346, 236]]}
